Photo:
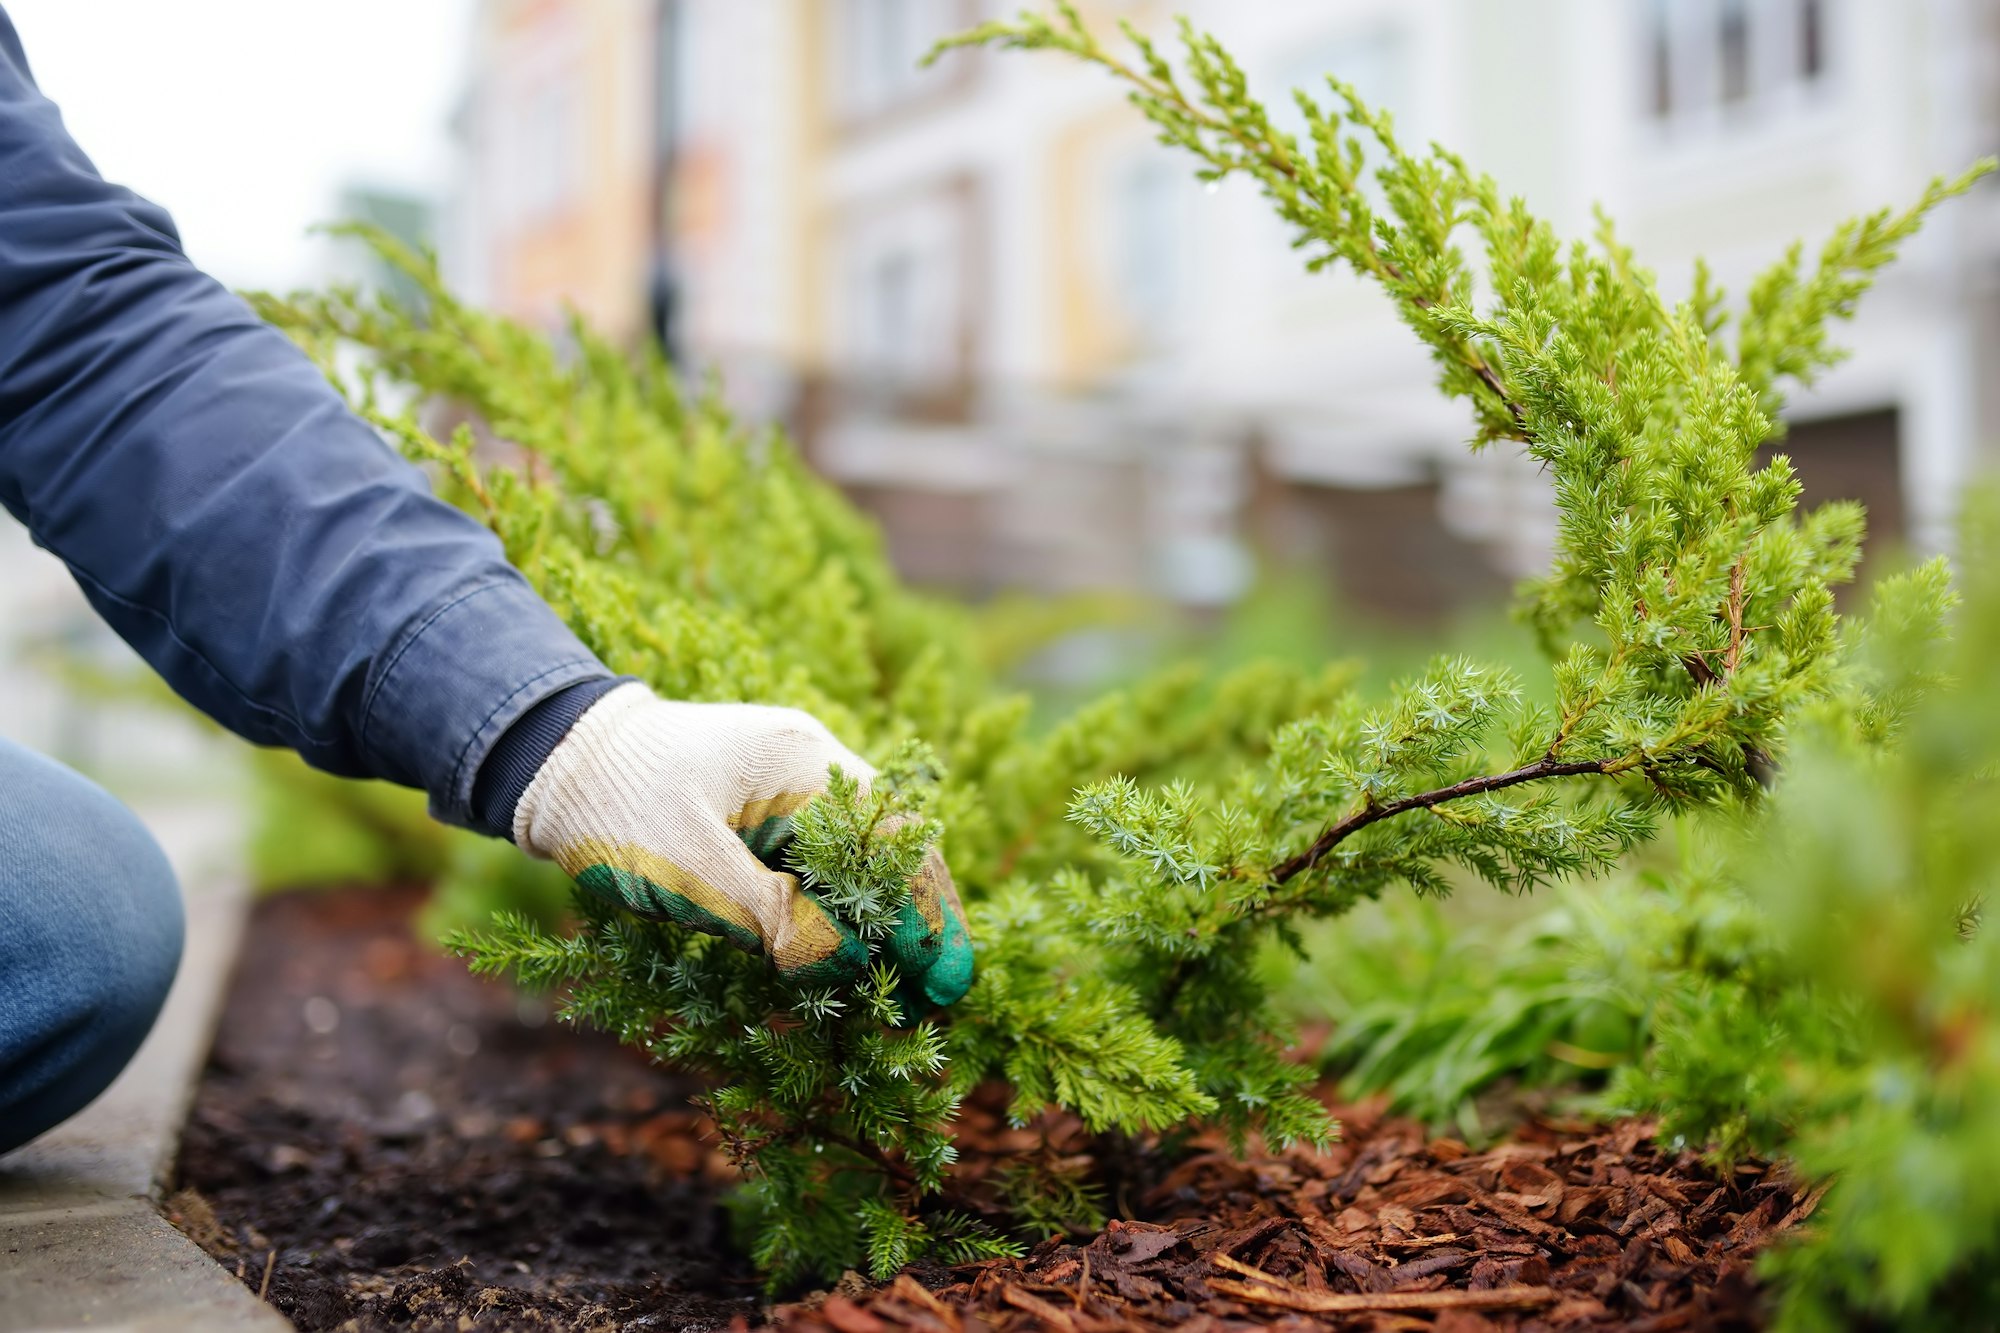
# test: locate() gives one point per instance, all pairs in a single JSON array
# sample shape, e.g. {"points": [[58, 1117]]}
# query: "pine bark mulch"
{"points": [[1554, 1230]]}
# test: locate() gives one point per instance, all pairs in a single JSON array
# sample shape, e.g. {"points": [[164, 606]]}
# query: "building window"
{"points": [[1659, 59], [1146, 202], [1734, 51], [1812, 39], [879, 46], [891, 336], [906, 270], [1710, 61]]}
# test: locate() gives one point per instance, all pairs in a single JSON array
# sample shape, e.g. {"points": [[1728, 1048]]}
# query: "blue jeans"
{"points": [[90, 935]]}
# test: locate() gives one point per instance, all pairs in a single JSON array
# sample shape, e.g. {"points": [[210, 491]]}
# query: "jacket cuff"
{"points": [[517, 756], [459, 680]]}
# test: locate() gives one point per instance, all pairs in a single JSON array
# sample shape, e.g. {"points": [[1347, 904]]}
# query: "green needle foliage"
{"points": [[1814, 981], [1574, 1000], [707, 560], [824, 1091], [1124, 868], [1862, 1036], [1689, 612]]}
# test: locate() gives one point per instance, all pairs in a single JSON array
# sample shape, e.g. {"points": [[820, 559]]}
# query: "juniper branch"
{"points": [[1260, 150], [1548, 766]]}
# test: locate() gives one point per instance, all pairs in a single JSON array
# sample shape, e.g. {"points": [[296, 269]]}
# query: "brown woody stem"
{"points": [[1545, 767]]}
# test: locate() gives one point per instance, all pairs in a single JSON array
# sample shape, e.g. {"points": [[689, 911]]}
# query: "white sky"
{"points": [[244, 118]]}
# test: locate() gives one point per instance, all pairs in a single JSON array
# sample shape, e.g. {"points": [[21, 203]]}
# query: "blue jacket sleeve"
{"points": [[283, 568]]}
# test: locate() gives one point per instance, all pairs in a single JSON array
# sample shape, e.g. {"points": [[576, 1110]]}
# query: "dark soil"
{"points": [[413, 1144], [382, 1142]]}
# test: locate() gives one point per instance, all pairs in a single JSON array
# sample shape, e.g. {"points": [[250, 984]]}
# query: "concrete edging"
{"points": [[82, 1242]]}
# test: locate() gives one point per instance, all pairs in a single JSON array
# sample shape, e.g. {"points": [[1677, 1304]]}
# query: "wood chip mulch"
{"points": [[1386, 1230]]}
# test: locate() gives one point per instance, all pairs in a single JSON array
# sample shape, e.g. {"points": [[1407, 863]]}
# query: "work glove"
{"points": [[666, 808]]}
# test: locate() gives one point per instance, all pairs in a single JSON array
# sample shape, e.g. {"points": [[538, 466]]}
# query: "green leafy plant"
{"points": [[1467, 1026], [705, 559], [1126, 866]]}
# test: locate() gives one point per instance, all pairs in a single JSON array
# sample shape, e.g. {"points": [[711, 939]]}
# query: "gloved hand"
{"points": [[660, 805]]}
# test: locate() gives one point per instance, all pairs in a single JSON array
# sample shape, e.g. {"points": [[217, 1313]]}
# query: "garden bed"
{"points": [[383, 1142], [413, 1144]]}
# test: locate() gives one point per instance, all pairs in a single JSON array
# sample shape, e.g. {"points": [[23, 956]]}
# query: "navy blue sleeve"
{"points": [[282, 567]]}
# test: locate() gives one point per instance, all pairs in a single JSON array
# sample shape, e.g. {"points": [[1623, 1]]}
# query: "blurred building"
{"points": [[398, 214], [559, 197], [1014, 327]]}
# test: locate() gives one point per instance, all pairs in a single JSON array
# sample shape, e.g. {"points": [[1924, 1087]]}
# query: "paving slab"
{"points": [[117, 1265], [82, 1244]]}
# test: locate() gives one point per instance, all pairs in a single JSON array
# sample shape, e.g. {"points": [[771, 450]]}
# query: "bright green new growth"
{"points": [[711, 564], [1847, 1018], [1583, 987], [1124, 868]]}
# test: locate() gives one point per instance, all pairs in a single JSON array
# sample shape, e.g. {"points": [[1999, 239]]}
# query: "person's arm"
{"points": [[297, 581], [259, 545]]}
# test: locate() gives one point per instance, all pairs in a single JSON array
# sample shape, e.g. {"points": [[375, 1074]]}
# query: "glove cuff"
{"points": [[579, 750], [518, 755]]}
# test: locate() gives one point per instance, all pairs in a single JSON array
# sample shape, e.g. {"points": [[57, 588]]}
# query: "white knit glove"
{"points": [[659, 805]]}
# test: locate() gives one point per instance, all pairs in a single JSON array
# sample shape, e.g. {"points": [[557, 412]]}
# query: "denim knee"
{"points": [[90, 936]]}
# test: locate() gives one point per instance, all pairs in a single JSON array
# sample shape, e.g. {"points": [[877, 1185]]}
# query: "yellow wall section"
{"points": [[1091, 336], [593, 253], [813, 234]]}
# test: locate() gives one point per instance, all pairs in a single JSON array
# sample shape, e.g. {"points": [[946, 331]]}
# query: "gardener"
{"points": [[293, 578]]}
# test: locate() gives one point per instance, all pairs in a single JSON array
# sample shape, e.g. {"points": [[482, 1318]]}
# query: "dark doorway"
{"points": [[1387, 548], [1854, 457], [936, 539]]}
